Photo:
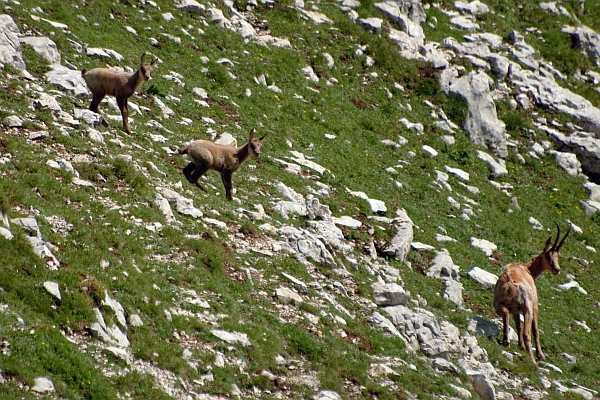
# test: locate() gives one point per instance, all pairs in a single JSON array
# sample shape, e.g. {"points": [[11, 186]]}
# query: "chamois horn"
{"points": [[562, 242]]}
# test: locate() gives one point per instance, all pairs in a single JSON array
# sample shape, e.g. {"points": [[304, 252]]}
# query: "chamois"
{"points": [[515, 293], [106, 82], [206, 155]]}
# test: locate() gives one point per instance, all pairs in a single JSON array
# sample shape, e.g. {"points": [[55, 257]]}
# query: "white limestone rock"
{"points": [[443, 267], [191, 6], [53, 289], [288, 296], [44, 47], [68, 80], [568, 162], [42, 385], [10, 46], [466, 24], [498, 166], [135, 320], [486, 279], [389, 294], [482, 384], [232, 337], [586, 40], [474, 8], [371, 24], [484, 245], [116, 307], [482, 123], [401, 242], [12, 121]]}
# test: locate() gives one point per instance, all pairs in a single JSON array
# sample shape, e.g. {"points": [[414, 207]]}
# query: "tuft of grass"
{"points": [[37, 65], [455, 108], [516, 122], [302, 343], [559, 48]]}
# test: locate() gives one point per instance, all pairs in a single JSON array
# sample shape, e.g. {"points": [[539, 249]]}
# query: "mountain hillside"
{"points": [[410, 150]]}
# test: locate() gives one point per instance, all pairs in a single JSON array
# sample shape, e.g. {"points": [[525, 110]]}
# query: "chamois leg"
{"points": [[122, 103], [527, 335], [187, 171], [96, 99], [197, 174], [536, 337], [517, 318], [505, 325], [226, 178]]}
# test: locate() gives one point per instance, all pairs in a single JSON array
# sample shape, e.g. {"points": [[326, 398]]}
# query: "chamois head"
{"points": [[552, 254], [255, 144], [146, 68]]}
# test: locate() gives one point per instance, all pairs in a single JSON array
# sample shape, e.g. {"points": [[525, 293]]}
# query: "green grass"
{"points": [[146, 270]]}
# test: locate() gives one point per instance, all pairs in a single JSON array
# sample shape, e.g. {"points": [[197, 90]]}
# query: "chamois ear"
{"points": [[263, 136], [154, 62], [548, 244], [142, 59], [251, 134]]}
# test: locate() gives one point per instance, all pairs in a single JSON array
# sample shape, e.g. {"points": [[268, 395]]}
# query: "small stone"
{"points": [[200, 93], [117, 352], [298, 284], [327, 395], [38, 135], [219, 360], [45, 101], [232, 337], [53, 289], [462, 392], [569, 358], [191, 6], [287, 296], [484, 245], [12, 121], [43, 385], [235, 391], [135, 320], [482, 384], [432, 152], [5, 233], [486, 279], [116, 307], [187, 354]]}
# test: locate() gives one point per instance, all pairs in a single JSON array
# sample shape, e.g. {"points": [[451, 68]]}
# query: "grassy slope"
{"points": [[358, 112]]}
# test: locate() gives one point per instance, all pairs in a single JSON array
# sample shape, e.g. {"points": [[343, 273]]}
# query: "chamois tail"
{"points": [[177, 150], [510, 291]]}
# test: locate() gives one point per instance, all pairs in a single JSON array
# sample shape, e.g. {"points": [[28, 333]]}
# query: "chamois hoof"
{"points": [[199, 186]]}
